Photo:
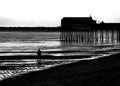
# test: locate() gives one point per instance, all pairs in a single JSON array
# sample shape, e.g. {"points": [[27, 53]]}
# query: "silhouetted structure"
{"points": [[77, 23], [107, 26], [69, 26], [91, 38], [79, 31]]}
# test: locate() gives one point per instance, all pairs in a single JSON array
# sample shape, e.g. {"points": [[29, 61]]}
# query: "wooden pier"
{"points": [[89, 38]]}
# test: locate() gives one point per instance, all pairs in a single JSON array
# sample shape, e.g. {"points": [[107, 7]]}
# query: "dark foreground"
{"points": [[98, 72]]}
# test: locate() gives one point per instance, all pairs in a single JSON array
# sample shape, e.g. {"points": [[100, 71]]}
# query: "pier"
{"points": [[90, 38], [84, 31]]}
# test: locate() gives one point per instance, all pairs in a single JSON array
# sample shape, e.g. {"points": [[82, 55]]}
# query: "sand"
{"points": [[97, 72]]}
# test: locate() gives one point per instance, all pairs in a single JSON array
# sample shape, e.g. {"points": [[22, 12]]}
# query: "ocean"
{"points": [[17, 43], [96, 44], [28, 43]]}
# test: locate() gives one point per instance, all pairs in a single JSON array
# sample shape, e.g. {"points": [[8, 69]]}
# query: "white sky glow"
{"points": [[50, 12]]}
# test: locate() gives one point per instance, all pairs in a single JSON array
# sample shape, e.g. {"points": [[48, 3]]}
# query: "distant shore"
{"points": [[97, 72], [31, 29]]}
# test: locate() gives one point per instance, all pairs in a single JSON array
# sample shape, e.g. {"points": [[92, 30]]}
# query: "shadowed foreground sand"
{"points": [[98, 72]]}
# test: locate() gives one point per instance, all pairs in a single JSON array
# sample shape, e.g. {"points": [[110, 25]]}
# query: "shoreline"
{"points": [[42, 57], [85, 72]]}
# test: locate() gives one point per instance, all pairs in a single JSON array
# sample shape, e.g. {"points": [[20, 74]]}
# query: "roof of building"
{"points": [[80, 20]]}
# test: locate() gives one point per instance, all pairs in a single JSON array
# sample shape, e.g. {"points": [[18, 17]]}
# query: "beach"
{"points": [[96, 72], [12, 66], [61, 62]]}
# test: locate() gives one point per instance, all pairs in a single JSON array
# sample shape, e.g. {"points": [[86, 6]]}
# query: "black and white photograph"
{"points": [[59, 43]]}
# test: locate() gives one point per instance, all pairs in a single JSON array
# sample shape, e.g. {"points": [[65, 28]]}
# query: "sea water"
{"points": [[12, 42], [27, 43]]}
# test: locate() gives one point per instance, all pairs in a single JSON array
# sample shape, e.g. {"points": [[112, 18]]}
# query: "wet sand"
{"points": [[43, 57], [98, 72]]}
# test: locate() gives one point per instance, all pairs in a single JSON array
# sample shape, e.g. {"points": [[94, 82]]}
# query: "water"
{"points": [[11, 42], [96, 44], [27, 43]]}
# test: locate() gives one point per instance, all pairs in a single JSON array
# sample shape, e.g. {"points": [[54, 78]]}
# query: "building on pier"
{"points": [[77, 23], [107, 26], [84, 31], [71, 25]]}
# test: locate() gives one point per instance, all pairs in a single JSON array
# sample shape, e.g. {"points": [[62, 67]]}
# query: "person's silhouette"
{"points": [[38, 59], [39, 52]]}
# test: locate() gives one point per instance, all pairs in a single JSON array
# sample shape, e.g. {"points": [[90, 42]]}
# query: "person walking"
{"points": [[39, 53], [39, 62]]}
